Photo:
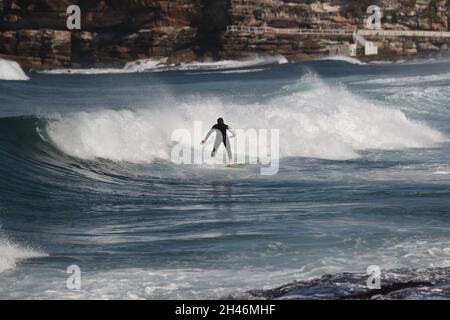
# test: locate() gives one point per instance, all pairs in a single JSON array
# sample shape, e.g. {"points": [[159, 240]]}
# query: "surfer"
{"points": [[221, 136]]}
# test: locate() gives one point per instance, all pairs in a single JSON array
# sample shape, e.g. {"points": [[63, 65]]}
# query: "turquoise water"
{"points": [[87, 179]]}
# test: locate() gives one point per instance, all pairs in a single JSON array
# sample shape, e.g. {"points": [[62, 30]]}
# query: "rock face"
{"points": [[34, 32], [37, 48], [394, 285]]}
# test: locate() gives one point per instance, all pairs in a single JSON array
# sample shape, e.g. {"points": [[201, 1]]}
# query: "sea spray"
{"points": [[315, 120], [11, 70], [11, 253]]}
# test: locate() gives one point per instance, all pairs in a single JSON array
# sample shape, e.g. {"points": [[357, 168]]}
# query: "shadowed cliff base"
{"points": [[211, 22]]}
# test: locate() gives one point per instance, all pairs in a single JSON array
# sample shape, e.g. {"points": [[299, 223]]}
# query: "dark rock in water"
{"points": [[395, 284]]}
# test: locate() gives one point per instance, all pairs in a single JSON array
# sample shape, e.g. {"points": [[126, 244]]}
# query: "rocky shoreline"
{"points": [[34, 32], [398, 284]]}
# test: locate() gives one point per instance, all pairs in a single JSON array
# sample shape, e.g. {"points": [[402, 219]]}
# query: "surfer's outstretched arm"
{"points": [[207, 135]]}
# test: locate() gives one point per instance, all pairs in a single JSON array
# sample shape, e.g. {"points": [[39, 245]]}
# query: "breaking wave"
{"points": [[11, 70], [344, 59], [315, 120], [158, 65], [11, 253]]}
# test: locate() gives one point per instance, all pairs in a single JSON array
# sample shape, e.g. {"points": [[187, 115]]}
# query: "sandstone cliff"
{"points": [[34, 32], [397, 15]]}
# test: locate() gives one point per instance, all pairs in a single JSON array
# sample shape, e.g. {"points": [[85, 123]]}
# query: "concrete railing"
{"points": [[404, 33], [254, 3], [262, 30], [346, 32]]}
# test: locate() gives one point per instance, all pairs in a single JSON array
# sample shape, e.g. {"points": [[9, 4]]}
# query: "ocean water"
{"points": [[87, 178]]}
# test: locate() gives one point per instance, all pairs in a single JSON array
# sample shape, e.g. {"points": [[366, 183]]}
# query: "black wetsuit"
{"points": [[223, 129]]}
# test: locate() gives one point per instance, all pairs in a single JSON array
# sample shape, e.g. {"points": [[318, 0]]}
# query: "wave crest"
{"points": [[11, 253], [315, 120], [158, 65], [11, 70]]}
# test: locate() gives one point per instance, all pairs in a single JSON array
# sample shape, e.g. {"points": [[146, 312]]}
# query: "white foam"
{"points": [[381, 62], [411, 61], [137, 283], [343, 59], [137, 66], [229, 71], [219, 282], [400, 81], [144, 65], [233, 64], [11, 70], [441, 172], [158, 65], [327, 122], [11, 254], [427, 100]]}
